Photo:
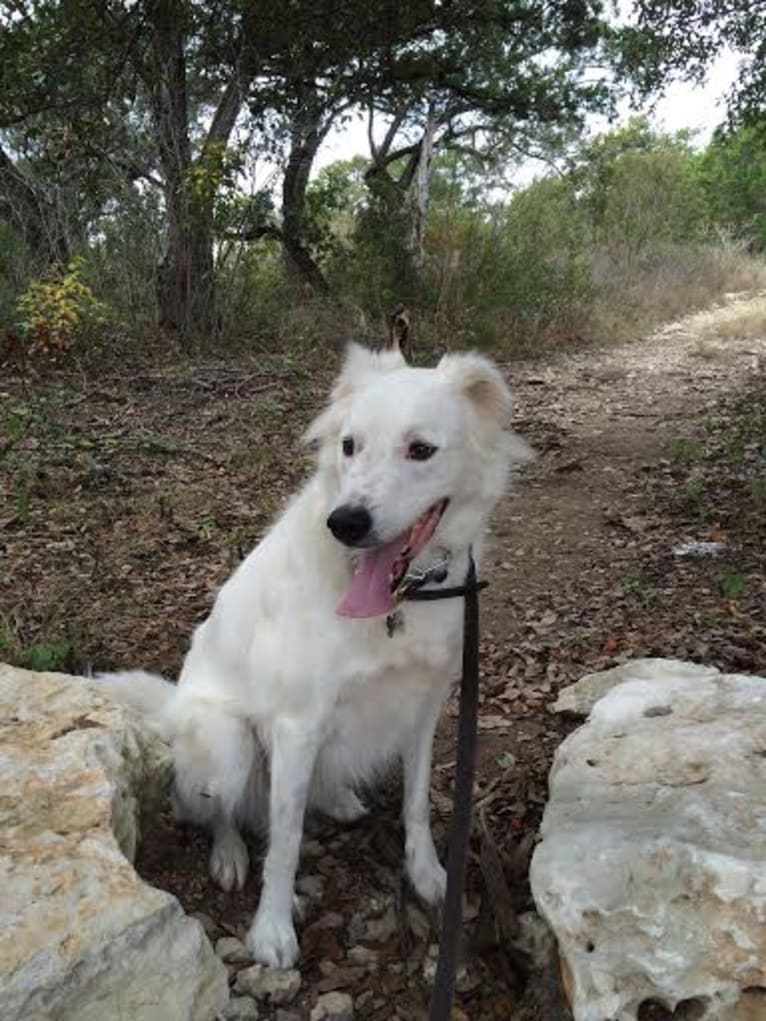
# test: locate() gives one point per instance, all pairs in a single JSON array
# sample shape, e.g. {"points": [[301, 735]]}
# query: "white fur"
{"points": [[281, 702]]}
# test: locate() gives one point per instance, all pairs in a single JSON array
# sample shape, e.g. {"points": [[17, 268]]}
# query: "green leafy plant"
{"points": [[635, 587], [732, 583], [686, 448], [57, 311], [51, 656]]}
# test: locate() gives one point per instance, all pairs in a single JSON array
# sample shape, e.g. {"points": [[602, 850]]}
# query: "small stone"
{"points": [[310, 886], [333, 1007], [356, 927], [327, 865], [270, 984], [331, 920], [240, 1008], [232, 950], [378, 930], [418, 922], [288, 1015], [465, 980], [206, 922], [364, 999], [471, 908], [363, 955], [536, 940], [312, 848], [340, 978]]}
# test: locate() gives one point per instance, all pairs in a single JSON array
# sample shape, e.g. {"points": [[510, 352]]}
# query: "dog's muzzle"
{"points": [[350, 524]]}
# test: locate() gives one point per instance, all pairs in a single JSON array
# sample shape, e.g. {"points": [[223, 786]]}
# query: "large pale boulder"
{"points": [[652, 867], [82, 937]]}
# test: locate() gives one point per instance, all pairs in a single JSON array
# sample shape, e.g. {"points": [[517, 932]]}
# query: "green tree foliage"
{"points": [[732, 171], [640, 187], [682, 37], [626, 226], [162, 93]]}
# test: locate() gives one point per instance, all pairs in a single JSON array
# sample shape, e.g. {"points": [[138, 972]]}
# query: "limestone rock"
{"points": [[363, 955], [378, 930], [82, 937], [333, 1007], [232, 950], [273, 985], [652, 867], [241, 1008], [580, 697]]}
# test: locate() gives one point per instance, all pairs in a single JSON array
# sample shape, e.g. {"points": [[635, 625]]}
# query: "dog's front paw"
{"points": [[272, 940], [229, 861], [427, 877]]}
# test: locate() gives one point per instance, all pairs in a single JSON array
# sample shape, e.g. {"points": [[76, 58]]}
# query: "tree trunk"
{"points": [[186, 278], [30, 215], [404, 198], [420, 191], [185, 281], [306, 135]]}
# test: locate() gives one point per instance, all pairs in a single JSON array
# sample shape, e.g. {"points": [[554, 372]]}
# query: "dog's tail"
{"points": [[148, 694]]}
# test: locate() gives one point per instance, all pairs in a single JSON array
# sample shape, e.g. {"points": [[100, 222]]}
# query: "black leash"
{"points": [[460, 830]]}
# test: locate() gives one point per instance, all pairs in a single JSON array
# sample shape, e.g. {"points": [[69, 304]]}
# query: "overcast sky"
{"points": [[701, 108]]}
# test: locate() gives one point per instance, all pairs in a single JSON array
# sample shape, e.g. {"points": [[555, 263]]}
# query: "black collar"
{"points": [[414, 592], [416, 595]]}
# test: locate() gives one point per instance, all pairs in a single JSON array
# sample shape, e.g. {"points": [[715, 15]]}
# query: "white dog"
{"points": [[301, 684]]}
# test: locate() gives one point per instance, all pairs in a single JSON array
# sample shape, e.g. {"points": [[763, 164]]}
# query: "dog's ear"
{"points": [[482, 383], [360, 367], [479, 379]]}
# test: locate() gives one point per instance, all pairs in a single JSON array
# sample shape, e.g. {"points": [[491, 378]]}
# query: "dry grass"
{"points": [[632, 296], [738, 323]]}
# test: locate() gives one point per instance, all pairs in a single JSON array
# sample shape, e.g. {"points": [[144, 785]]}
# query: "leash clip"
{"points": [[413, 580]]}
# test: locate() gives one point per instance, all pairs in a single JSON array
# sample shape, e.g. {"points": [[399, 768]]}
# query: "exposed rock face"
{"points": [[652, 868], [580, 698], [82, 937]]}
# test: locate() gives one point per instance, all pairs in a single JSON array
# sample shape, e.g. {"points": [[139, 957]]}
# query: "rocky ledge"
{"points": [[82, 937], [652, 867]]}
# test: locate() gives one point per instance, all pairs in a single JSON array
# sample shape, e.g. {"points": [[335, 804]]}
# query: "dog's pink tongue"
{"points": [[370, 591]]}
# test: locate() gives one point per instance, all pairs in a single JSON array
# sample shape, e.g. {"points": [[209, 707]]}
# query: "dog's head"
{"points": [[411, 458]]}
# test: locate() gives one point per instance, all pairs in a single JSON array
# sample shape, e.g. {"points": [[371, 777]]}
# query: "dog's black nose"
{"points": [[349, 524]]}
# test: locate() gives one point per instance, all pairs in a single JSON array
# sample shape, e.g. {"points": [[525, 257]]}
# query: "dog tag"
{"points": [[394, 623]]}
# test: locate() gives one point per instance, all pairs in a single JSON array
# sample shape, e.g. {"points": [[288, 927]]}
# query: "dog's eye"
{"points": [[420, 451], [348, 446]]}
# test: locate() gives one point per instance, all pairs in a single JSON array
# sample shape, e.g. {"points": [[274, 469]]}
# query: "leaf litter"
{"points": [[126, 498]]}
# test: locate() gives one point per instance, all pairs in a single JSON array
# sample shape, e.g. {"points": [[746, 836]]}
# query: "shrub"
{"points": [[58, 311]]}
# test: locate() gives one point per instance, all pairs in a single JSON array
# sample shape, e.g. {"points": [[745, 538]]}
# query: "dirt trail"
{"points": [[141, 490], [582, 571], [599, 417]]}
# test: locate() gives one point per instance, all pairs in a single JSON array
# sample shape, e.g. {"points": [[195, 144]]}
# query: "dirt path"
{"points": [[598, 420], [125, 501]]}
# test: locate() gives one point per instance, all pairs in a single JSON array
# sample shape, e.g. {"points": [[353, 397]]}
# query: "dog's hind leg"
{"points": [[215, 755], [423, 867], [342, 804], [272, 938], [331, 793]]}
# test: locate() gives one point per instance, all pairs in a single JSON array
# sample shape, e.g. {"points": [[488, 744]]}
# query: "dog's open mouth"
{"points": [[381, 569]]}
